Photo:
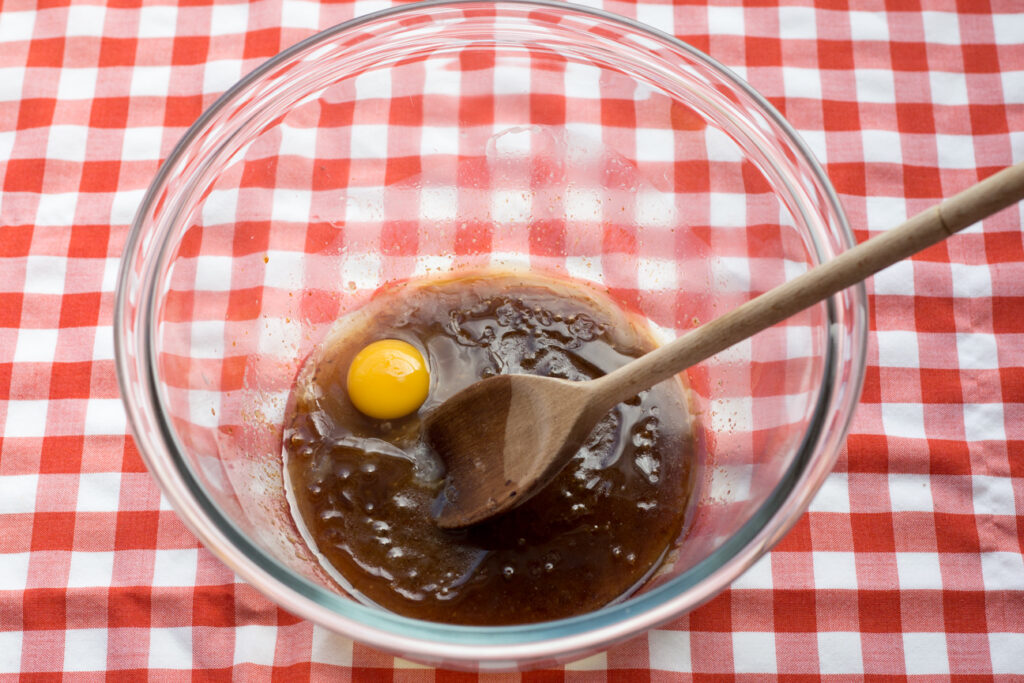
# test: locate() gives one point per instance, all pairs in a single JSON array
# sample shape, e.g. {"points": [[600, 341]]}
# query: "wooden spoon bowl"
{"points": [[506, 437]]}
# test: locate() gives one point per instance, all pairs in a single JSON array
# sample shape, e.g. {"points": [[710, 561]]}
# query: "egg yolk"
{"points": [[388, 379]]}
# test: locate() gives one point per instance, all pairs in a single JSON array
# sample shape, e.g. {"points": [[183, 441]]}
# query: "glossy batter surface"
{"points": [[364, 488]]}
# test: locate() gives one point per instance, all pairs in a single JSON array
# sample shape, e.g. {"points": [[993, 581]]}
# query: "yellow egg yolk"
{"points": [[388, 379]]}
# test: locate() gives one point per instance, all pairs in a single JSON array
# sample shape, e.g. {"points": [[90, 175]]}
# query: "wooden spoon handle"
{"points": [[923, 230]]}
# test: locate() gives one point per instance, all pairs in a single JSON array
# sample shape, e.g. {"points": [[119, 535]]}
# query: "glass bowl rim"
{"points": [[420, 638]]}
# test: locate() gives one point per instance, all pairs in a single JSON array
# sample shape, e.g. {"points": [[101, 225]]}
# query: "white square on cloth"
{"points": [[10, 650], [984, 422], [919, 571], [105, 416], [728, 210], [598, 662], [284, 269], [669, 650], [158, 21], [78, 83], [797, 23], [439, 203], [426, 264], [925, 653], [875, 85], [12, 80], [801, 82], [175, 567], [834, 495], [298, 141], [658, 16], [17, 26], [910, 493], [45, 274], [278, 336], [1002, 571], [85, 20], [213, 273], [1007, 650], [330, 648], [300, 14], [725, 20], [1008, 28], [85, 649], [399, 663], [971, 281], [976, 351], [834, 570], [758, 577], [753, 652], [584, 268], [948, 88], [170, 648], [721, 147], [125, 203], [369, 141], [510, 206], [103, 346], [98, 492], [361, 270], [56, 208], [13, 572], [220, 207], [655, 144], [26, 418], [992, 496], [67, 142], [109, 282], [35, 346], [865, 26], [150, 80], [221, 74], [91, 569], [1013, 86], [228, 18], [291, 205], [654, 274], [255, 644], [839, 652], [942, 28], [956, 151], [18, 493], [440, 140], [903, 419], [884, 213], [142, 143], [883, 147], [897, 349]]}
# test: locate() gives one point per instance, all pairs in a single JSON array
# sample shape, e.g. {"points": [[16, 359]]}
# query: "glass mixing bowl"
{"points": [[442, 137]]}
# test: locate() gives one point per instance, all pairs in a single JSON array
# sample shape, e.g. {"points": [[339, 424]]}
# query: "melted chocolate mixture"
{"points": [[364, 489]]}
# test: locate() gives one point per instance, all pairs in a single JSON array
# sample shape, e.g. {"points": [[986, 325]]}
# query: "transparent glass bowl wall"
{"points": [[443, 138]]}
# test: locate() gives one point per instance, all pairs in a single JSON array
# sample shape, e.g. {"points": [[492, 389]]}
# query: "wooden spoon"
{"points": [[504, 438]]}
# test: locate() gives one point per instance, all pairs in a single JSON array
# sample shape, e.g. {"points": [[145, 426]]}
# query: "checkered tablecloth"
{"points": [[907, 565]]}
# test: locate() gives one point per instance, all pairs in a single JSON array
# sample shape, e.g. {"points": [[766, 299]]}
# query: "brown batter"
{"points": [[365, 489]]}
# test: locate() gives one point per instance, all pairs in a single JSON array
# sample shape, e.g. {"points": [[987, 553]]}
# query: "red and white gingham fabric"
{"points": [[908, 564]]}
